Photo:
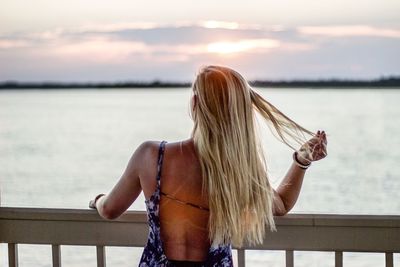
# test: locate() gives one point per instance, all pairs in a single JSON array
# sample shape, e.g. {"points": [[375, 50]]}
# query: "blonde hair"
{"points": [[233, 166]]}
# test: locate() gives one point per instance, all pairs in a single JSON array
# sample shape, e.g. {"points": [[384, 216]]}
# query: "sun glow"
{"points": [[213, 24], [241, 46]]}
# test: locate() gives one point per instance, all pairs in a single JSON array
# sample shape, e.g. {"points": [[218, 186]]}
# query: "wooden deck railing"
{"points": [[306, 232]]}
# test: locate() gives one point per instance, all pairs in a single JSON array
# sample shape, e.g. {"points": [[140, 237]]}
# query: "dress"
{"points": [[153, 253]]}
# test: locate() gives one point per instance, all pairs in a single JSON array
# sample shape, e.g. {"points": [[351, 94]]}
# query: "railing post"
{"points": [[338, 259], [289, 258], [101, 256], [56, 255], [12, 255], [241, 257], [389, 259]]}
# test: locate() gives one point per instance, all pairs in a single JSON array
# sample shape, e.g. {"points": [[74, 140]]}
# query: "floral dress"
{"points": [[153, 254]]}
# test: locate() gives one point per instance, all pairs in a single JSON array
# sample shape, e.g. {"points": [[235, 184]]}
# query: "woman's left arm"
{"points": [[125, 192]]}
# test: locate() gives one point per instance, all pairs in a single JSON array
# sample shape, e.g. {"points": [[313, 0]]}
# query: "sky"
{"points": [[97, 40]]}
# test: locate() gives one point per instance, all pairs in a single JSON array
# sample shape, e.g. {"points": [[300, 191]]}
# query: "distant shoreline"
{"points": [[390, 82]]}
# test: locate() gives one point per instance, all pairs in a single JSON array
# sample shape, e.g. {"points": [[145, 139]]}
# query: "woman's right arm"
{"points": [[287, 193], [128, 188]]}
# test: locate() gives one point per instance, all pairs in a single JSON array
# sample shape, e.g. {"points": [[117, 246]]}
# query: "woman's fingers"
{"points": [[319, 147], [315, 148], [91, 204], [324, 137]]}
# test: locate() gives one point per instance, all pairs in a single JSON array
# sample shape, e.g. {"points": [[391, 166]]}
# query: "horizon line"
{"points": [[383, 81]]}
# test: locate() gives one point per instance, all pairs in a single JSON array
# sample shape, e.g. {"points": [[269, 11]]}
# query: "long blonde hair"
{"points": [[233, 166]]}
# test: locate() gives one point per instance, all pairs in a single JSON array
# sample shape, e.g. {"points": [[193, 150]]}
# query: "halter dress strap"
{"points": [[160, 161], [184, 202]]}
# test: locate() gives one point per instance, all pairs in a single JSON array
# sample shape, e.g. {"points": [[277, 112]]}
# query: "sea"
{"points": [[60, 148]]}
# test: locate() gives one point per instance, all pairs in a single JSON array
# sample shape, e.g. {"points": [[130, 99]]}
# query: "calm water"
{"points": [[60, 148]]}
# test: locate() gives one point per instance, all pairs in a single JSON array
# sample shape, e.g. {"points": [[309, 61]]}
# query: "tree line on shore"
{"points": [[388, 82]]}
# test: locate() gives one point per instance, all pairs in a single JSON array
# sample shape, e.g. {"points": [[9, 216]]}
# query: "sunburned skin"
{"points": [[183, 228]]}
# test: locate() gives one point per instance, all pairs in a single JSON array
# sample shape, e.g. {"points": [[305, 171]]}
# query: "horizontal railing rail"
{"points": [[302, 232]]}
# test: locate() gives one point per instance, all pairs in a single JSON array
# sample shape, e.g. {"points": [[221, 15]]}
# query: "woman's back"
{"points": [[183, 210]]}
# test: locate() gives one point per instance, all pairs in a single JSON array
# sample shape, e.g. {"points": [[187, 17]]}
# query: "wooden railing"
{"points": [[306, 232]]}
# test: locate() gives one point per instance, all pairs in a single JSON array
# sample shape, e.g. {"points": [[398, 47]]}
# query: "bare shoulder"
{"points": [[146, 157], [148, 147], [142, 156], [146, 154], [146, 151]]}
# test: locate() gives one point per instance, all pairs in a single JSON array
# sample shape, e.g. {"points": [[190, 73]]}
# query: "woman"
{"points": [[212, 191]]}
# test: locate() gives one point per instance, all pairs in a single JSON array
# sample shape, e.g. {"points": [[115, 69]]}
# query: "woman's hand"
{"points": [[314, 149], [92, 203]]}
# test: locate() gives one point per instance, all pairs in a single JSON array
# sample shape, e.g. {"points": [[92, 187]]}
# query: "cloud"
{"points": [[9, 43], [97, 50], [113, 43], [245, 45], [350, 31], [107, 51]]}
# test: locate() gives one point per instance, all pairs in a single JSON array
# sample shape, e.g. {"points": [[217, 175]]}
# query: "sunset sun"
{"points": [[229, 47]]}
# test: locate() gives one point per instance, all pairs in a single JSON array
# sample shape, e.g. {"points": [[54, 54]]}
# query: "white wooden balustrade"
{"points": [[301, 232]]}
